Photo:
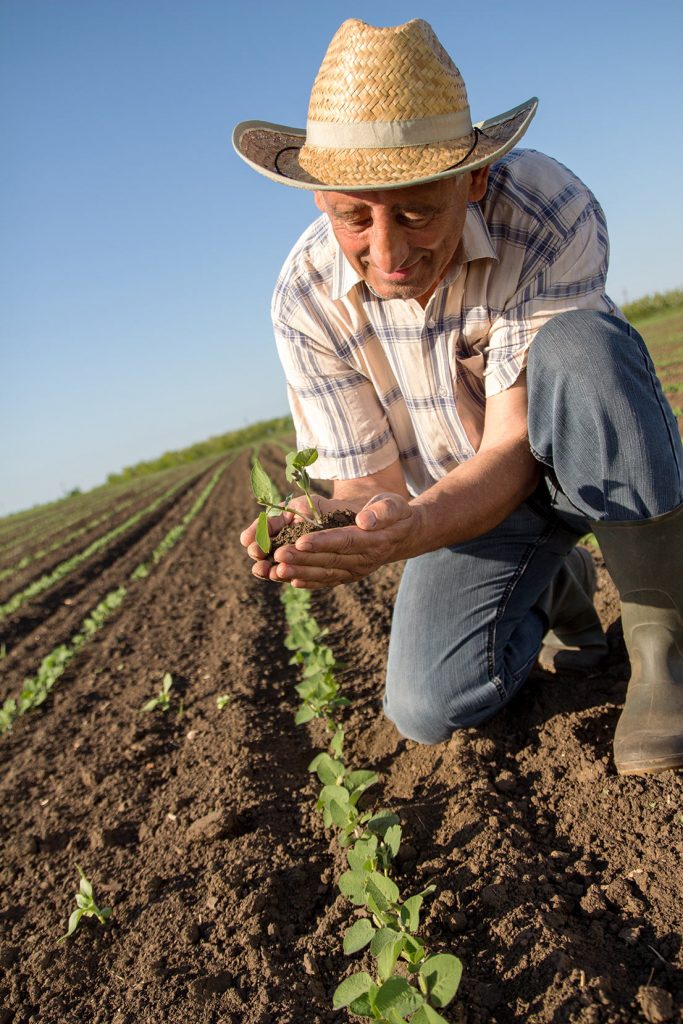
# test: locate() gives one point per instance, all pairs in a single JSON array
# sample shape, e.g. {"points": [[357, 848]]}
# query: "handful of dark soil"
{"points": [[328, 521]]}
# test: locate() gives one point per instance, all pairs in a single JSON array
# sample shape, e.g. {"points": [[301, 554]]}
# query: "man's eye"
{"points": [[356, 223]]}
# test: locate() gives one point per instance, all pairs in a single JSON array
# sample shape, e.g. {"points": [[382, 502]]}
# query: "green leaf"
{"points": [[427, 1015], [352, 885], [303, 715], [413, 950], [360, 780], [386, 961], [382, 938], [441, 974], [410, 913], [386, 886], [263, 487], [363, 1007], [362, 855], [358, 935], [342, 814], [392, 838], [263, 533], [351, 988], [380, 822], [337, 743], [329, 793], [397, 995], [329, 771], [306, 457], [291, 469], [74, 918], [85, 886], [83, 901]]}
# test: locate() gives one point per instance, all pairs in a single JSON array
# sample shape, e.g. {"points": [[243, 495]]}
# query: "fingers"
{"points": [[383, 510], [248, 536]]}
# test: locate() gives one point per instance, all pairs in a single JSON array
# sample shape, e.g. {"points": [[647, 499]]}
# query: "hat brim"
{"points": [[274, 149]]}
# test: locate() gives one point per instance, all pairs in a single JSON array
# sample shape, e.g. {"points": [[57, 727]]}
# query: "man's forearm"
{"points": [[357, 492], [474, 497]]}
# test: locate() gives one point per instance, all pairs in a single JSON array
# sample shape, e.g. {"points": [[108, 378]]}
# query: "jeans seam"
{"points": [[550, 530], [652, 377]]}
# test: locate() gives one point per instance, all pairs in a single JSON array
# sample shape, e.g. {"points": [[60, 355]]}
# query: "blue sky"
{"points": [[138, 252]]}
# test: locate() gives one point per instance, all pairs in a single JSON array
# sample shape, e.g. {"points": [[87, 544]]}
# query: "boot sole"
{"points": [[660, 764]]}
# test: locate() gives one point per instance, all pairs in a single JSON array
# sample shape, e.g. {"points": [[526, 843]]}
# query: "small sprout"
{"points": [[266, 494], [162, 700], [296, 473], [86, 907], [224, 699]]}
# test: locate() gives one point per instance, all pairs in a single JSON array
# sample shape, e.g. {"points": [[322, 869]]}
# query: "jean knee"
{"points": [[415, 722], [579, 342], [430, 713]]}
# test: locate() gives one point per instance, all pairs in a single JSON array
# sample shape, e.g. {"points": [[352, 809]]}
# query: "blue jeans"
{"points": [[466, 632]]}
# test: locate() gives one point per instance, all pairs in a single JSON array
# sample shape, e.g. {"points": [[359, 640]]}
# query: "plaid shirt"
{"points": [[371, 380]]}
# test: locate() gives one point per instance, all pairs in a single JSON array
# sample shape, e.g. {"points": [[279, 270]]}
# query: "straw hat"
{"points": [[388, 109]]}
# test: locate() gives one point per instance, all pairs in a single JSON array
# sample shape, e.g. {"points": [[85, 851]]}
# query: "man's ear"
{"points": [[320, 201], [478, 184]]}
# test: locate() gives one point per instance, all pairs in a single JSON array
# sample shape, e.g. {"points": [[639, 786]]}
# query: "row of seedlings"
{"points": [[105, 511], [36, 688], [65, 515], [407, 982], [49, 579]]}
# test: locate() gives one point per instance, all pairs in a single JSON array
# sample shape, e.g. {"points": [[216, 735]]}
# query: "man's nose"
{"points": [[388, 247]]}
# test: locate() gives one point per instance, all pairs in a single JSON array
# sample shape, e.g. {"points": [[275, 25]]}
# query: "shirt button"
{"points": [[443, 391]]}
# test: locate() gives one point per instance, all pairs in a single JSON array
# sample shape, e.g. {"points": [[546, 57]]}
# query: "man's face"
{"points": [[401, 241]]}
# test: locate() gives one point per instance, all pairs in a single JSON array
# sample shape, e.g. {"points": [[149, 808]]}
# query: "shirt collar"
{"points": [[475, 244]]}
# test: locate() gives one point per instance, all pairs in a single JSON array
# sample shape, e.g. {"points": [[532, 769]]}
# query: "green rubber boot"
{"points": [[645, 560], [575, 640]]}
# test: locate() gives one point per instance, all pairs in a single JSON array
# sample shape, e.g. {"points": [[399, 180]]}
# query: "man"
{"points": [[476, 397]]}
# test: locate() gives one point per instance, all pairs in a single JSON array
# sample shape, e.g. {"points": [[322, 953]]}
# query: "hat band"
{"points": [[389, 134]]}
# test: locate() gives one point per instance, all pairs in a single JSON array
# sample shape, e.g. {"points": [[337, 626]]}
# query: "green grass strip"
{"points": [[65, 517], [36, 688], [91, 525], [64, 568], [176, 532]]}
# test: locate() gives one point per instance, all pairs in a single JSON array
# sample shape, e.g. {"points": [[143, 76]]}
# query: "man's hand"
{"points": [[327, 558], [357, 494], [275, 524]]}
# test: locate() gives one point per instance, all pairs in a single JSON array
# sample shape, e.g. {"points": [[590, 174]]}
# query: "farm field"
{"points": [[557, 883]]}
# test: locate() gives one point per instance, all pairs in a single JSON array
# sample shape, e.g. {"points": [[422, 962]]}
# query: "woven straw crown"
{"points": [[388, 108]]}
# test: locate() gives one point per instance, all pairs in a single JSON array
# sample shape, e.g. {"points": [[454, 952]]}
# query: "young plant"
{"points": [[86, 907], [425, 983], [266, 493], [224, 699], [162, 699]]}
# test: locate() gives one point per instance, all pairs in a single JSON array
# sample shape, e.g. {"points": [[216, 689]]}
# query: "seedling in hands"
{"points": [[162, 700], [86, 907], [266, 494]]}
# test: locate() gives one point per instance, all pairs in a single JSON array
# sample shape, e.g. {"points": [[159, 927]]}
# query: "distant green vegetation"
{"points": [[255, 433], [651, 305]]}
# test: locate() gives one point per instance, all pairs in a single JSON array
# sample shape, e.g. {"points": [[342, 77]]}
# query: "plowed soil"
{"points": [[558, 883]]}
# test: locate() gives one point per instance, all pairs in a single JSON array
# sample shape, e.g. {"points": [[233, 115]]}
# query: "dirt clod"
{"points": [[213, 826], [656, 1003]]}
